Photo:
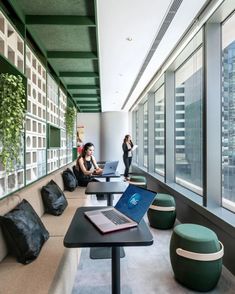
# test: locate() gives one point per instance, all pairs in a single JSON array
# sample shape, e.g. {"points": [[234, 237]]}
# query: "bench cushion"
{"points": [[42, 274], [58, 225], [78, 193]]}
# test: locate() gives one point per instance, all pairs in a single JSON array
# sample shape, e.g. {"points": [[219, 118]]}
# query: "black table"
{"points": [[108, 177], [108, 188], [82, 233]]}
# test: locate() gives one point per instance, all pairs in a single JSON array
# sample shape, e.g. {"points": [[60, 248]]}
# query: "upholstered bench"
{"points": [[138, 180], [161, 213], [196, 256], [55, 268]]}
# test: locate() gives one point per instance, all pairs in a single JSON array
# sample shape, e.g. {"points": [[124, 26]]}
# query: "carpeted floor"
{"points": [[143, 270]]}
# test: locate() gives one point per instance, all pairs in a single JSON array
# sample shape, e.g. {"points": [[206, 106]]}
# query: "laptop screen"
{"points": [[110, 167], [134, 202]]}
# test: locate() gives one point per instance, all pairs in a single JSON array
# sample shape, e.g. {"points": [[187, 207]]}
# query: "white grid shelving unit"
{"points": [[62, 108], [53, 154], [13, 180], [36, 118], [11, 43], [35, 149], [36, 74], [12, 48]]}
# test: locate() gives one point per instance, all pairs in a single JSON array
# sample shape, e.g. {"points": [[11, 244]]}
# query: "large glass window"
{"points": [[146, 134], [188, 123], [228, 113], [159, 132]]}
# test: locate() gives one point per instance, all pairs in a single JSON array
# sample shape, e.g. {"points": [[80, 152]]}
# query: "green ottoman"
{"points": [[138, 180], [196, 256], [161, 213]]}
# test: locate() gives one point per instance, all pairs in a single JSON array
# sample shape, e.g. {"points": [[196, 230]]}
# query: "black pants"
{"points": [[127, 162]]}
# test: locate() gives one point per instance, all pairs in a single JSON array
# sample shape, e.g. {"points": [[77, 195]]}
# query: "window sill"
{"points": [[216, 214]]}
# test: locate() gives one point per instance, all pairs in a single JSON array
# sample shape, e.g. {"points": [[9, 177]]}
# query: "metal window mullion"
{"points": [[213, 114], [169, 127], [151, 147], [141, 136]]}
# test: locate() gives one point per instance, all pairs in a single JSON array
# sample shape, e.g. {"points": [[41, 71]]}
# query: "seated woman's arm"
{"points": [[98, 170], [83, 168]]}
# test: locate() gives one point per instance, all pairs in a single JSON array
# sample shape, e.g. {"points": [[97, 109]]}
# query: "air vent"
{"points": [[163, 28]]}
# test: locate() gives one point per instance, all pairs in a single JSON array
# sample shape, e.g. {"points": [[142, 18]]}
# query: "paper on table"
{"points": [[134, 147]]}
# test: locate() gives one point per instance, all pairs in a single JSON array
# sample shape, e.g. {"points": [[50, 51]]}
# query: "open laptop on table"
{"points": [[110, 168], [127, 213]]}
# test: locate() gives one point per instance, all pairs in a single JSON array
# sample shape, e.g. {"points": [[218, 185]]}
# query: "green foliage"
{"points": [[12, 116], [70, 115]]}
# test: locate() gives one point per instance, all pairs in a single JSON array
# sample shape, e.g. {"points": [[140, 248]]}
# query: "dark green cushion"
{"points": [[138, 178], [164, 200], [197, 238]]}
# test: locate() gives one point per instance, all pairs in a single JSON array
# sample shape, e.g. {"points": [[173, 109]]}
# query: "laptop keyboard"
{"points": [[115, 218]]}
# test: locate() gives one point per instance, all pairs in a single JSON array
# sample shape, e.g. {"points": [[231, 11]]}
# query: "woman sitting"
{"points": [[86, 166]]}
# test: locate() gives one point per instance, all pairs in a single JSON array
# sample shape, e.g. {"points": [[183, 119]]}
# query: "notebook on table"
{"points": [[127, 213], [110, 167]]}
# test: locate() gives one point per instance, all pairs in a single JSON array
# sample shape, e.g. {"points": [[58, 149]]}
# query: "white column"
{"points": [[114, 127]]}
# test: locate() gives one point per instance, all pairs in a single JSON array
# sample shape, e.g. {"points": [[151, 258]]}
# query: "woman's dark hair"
{"points": [[83, 153], [126, 138], [85, 148]]}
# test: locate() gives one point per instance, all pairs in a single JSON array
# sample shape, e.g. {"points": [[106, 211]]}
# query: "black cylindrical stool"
{"points": [[196, 256], [162, 214]]}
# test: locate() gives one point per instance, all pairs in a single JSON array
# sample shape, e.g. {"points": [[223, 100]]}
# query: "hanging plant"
{"points": [[12, 116], [70, 115]]}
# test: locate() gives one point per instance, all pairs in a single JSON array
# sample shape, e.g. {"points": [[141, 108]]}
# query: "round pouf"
{"points": [[196, 256], [161, 214], [138, 180]]}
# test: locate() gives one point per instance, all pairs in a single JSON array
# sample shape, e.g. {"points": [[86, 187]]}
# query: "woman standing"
{"points": [[127, 146], [86, 166]]}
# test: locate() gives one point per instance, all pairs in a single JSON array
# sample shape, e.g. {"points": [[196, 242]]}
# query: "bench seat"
{"points": [[55, 268]]}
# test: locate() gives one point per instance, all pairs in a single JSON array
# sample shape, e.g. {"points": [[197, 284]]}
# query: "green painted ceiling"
{"points": [[65, 31]]}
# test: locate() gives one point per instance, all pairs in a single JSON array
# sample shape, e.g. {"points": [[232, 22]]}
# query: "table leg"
{"points": [[116, 270], [104, 252], [110, 200]]}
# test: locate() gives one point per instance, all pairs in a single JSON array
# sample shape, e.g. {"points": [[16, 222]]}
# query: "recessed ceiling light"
{"points": [[116, 92], [120, 74], [129, 39]]}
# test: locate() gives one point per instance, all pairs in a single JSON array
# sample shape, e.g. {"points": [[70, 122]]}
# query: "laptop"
{"points": [[127, 213], [110, 167]]}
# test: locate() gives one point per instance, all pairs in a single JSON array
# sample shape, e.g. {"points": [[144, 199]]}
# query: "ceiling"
{"points": [[106, 51]]}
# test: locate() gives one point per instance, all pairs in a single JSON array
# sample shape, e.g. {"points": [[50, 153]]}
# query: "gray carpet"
{"points": [[143, 270]]}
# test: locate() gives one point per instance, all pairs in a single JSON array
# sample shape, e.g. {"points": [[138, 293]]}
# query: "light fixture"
{"points": [[129, 39]]}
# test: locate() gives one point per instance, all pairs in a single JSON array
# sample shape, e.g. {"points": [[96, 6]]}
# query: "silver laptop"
{"points": [[127, 213], [110, 167]]}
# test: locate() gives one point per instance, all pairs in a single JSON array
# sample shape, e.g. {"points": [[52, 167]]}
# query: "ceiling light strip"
{"points": [[163, 28]]}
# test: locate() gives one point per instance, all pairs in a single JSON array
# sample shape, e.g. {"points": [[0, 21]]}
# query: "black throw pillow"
{"points": [[53, 198], [24, 232], [69, 179]]}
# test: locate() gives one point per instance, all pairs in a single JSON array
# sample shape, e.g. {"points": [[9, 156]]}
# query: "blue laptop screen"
{"points": [[134, 202]]}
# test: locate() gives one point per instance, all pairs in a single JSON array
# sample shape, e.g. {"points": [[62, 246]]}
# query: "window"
{"points": [[188, 123], [228, 114], [159, 136], [146, 134]]}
